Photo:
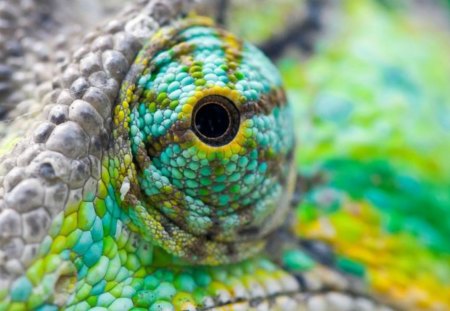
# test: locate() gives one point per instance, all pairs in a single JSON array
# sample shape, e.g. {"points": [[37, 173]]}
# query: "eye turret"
{"points": [[210, 144], [215, 120]]}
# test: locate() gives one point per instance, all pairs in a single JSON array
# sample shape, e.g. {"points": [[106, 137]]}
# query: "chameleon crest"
{"points": [[209, 141]]}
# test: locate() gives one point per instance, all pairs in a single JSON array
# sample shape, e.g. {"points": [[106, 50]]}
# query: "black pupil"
{"points": [[215, 120], [212, 120]]}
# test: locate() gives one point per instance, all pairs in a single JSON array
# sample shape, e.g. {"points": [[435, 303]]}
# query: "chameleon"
{"points": [[160, 176]]}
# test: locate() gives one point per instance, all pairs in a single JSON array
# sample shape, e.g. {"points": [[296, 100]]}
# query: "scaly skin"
{"points": [[107, 242], [132, 242], [119, 201], [166, 217]]}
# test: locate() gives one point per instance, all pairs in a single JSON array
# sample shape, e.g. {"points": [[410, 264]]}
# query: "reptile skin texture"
{"points": [[158, 174]]}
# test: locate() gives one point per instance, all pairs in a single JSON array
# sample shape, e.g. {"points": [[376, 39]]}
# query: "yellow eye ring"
{"points": [[215, 120]]}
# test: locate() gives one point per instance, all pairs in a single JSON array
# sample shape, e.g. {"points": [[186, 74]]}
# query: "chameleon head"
{"points": [[210, 144]]}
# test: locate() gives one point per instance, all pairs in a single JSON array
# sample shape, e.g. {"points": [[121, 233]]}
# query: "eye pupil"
{"points": [[212, 120], [215, 120]]}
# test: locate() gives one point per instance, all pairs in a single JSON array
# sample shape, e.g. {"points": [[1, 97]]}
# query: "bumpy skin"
{"points": [[114, 203]]}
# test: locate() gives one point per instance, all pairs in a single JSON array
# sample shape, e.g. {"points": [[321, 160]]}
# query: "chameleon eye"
{"points": [[210, 144], [215, 120]]}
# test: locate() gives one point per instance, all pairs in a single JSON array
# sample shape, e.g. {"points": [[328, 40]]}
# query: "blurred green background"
{"points": [[371, 93]]}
